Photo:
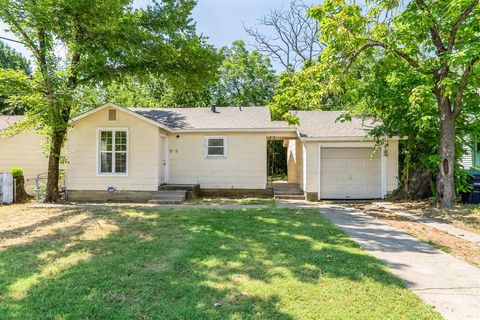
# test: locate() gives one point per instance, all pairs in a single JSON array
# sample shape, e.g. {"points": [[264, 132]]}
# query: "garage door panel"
{"points": [[350, 173]]}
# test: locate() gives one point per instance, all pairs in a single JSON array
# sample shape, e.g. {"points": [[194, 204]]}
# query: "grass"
{"points": [[233, 201], [191, 264], [439, 246]]}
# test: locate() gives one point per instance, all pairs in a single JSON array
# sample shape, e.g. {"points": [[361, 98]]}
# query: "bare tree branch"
{"points": [[372, 43], [296, 39]]}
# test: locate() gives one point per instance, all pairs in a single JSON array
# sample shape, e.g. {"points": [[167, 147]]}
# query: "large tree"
{"points": [[76, 44], [437, 41], [245, 78]]}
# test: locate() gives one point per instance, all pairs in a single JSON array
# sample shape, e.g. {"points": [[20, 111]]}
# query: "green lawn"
{"points": [[236, 201], [192, 264]]}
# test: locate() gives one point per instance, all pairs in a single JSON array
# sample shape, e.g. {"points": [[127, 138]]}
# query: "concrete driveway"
{"points": [[447, 283]]}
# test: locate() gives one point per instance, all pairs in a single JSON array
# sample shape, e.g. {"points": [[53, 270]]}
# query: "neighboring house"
{"points": [[23, 150], [471, 157], [119, 153]]}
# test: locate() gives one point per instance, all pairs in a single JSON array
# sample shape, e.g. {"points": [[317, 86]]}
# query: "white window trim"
{"points": [[97, 151], [205, 145]]}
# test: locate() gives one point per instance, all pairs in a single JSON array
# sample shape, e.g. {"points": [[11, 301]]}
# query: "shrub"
{"points": [[16, 172]]}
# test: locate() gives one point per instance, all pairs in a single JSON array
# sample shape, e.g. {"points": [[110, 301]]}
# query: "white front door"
{"points": [[350, 173], [163, 160]]}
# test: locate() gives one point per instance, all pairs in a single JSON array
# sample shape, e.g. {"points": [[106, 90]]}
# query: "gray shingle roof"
{"points": [[204, 118], [8, 121], [318, 124]]}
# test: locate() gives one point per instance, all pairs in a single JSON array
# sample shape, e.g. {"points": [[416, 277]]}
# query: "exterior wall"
{"points": [[24, 150], [245, 166], [471, 156], [467, 159], [310, 165], [392, 166], [143, 154], [299, 157], [292, 161]]}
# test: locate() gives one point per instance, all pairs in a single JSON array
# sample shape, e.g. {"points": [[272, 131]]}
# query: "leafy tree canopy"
{"points": [[245, 78], [10, 59]]}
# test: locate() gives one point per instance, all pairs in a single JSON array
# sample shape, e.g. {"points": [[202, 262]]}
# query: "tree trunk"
{"points": [[52, 194], [21, 196], [445, 176]]}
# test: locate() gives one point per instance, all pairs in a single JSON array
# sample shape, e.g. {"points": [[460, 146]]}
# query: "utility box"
{"points": [[6, 188]]}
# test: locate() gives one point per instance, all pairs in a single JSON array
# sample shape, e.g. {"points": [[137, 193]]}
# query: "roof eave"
{"points": [[344, 138], [123, 109], [280, 129]]}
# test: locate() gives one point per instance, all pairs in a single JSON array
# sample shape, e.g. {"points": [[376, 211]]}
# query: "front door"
{"points": [[163, 160]]}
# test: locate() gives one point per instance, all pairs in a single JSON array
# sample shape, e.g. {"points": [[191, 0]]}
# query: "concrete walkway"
{"points": [[447, 283], [437, 224]]}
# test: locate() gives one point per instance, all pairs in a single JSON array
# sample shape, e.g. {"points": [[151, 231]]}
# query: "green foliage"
{"points": [[308, 89], [405, 65], [146, 92], [462, 177], [11, 59], [245, 78], [10, 62], [16, 172], [428, 50]]}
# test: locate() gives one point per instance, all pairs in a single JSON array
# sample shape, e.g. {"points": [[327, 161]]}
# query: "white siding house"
{"points": [[24, 150]]}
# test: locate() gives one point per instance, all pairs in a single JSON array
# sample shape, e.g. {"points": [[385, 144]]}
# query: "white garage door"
{"points": [[350, 173]]}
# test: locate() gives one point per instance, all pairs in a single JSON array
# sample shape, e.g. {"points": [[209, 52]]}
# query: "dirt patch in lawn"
{"points": [[441, 240], [22, 224], [463, 215]]}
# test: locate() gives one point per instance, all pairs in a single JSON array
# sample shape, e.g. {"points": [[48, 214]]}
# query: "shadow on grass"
{"points": [[178, 264]]}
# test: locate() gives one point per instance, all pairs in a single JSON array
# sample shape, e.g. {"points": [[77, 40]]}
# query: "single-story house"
{"points": [[119, 152], [24, 149]]}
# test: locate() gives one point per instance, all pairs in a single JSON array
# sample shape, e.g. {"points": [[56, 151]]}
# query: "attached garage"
{"points": [[337, 160], [350, 173]]}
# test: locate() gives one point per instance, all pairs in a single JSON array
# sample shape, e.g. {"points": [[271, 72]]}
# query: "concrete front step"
{"points": [[289, 197], [168, 197], [165, 201], [178, 187], [287, 192]]}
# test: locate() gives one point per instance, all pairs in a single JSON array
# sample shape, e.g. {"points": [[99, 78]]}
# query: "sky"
{"points": [[220, 20]]}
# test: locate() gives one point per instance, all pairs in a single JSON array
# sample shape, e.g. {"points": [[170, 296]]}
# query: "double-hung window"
{"points": [[113, 151], [215, 147]]}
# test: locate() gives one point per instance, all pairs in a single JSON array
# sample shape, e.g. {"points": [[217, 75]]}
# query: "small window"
{"points": [[215, 147], [113, 151], [112, 115]]}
